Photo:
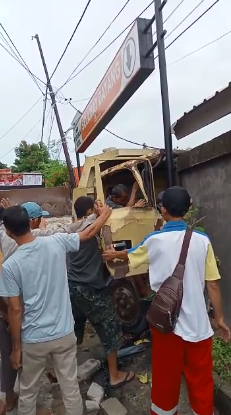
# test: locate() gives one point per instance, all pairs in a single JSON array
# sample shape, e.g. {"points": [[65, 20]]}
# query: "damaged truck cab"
{"points": [[127, 226]]}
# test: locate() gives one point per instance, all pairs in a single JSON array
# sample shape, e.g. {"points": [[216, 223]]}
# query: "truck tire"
{"points": [[130, 309]]}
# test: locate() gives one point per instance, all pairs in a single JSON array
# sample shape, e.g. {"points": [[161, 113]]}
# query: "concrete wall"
{"points": [[54, 199], [206, 173]]}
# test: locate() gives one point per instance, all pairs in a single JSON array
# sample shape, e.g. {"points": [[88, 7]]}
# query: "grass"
{"points": [[222, 358]]}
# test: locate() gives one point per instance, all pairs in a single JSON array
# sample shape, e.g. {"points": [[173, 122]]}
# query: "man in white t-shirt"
{"points": [[188, 350], [43, 325]]}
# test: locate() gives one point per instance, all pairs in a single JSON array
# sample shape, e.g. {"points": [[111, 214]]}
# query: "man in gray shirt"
{"points": [[7, 247]]}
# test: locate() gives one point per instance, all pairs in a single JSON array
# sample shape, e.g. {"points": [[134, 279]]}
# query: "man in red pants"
{"points": [[187, 351]]}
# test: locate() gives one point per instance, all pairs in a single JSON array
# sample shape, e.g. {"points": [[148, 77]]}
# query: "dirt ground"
{"points": [[135, 396]]}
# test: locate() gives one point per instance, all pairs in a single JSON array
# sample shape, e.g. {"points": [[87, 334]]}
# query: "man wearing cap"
{"points": [[7, 247], [188, 350]]}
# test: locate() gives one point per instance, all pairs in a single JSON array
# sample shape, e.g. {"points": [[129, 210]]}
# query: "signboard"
{"points": [[128, 70], [32, 179], [20, 179]]}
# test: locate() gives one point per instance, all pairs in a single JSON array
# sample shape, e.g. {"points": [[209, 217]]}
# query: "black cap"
{"points": [[176, 200]]}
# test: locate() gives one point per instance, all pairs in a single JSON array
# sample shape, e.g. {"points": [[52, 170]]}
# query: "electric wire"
{"points": [[50, 130], [200, 48], [185, 18], [99, 39], [20, 56], [20, 119], [107, 47], [44, 113], [118, 136], [169, 64], [13, 148], [170, 15], [192, 24], [73, 34], [26, 135]]}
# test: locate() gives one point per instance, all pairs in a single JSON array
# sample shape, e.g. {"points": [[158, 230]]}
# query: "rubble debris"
{"points": [[113, 406], [88, 369], [92, 406], [95, 392]]}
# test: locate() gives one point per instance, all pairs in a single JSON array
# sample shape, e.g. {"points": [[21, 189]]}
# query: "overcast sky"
{"points": [[140, 120]]}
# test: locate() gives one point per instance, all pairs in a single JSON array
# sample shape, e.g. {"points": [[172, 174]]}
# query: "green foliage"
{"points": [[3, 166], [55, 173], [35, 157], [222, 358], [29, 157], [192, 218]]}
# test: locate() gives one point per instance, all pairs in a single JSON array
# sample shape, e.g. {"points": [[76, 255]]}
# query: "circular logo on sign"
{"points": [[129, 57]]}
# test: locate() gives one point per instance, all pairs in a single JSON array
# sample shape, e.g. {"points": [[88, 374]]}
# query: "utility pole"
{"points": [[164, 89], [53, 100]]}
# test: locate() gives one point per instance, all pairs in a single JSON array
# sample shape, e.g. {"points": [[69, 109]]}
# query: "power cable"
{"points": [[44, 113], [24, 64], [185, 18], [35, 125], [174, 40], [170, 15], [104, 50], [170, 64], [20, 119], [73, 34], [200, 48], [99, 39], [117, 136], [13, 148], [51, 128], [192, 24]]}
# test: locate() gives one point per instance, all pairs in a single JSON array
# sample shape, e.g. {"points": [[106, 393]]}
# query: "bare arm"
{"points": [[111, 254], [95, 227], [212, 278], [15, 313], [132, 199], [214, 293]]}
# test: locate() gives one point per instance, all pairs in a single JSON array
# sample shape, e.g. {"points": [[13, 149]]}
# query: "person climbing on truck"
{"points": [[119, 197], [89, 294]]}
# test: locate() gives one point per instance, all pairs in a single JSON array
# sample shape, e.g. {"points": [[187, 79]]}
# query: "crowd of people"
{"points": [[53, 281]]}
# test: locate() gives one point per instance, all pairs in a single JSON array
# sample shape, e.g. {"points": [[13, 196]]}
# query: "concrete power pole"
{"points": [[164, 89], [53, 100]]}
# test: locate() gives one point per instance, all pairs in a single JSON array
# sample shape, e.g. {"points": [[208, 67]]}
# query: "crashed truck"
{"points": [[126, 227]]}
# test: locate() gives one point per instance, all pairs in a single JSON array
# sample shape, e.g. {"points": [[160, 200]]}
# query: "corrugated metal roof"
{"points": [[208, 111]]}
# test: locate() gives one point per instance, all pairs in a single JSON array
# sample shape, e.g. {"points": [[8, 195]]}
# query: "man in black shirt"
{"points": [[90, 298]]}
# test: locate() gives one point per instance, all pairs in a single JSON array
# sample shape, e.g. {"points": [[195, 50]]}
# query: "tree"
{"points": [[55, 173], [3, 166], [30, 156]]}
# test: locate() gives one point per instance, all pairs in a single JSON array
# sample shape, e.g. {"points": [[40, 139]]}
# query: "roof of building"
{"points": [[208, 111]]}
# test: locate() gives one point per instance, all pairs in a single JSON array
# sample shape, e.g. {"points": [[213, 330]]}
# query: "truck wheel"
{"points": [[128, 306]]}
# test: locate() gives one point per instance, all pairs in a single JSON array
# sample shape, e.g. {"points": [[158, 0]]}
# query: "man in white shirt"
{"points": [[188, 350], [43, 325]]}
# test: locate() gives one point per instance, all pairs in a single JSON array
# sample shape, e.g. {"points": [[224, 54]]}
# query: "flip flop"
{"points": [[124, 382]]}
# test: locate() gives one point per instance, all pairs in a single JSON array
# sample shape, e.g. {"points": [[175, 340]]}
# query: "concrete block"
{"points": [[95, 393], [113, 407], [92, 407], [88, 369]]}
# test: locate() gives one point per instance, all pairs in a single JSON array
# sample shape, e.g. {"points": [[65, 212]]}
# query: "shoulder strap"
{"points": [[185, 247], [179, 270]]}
